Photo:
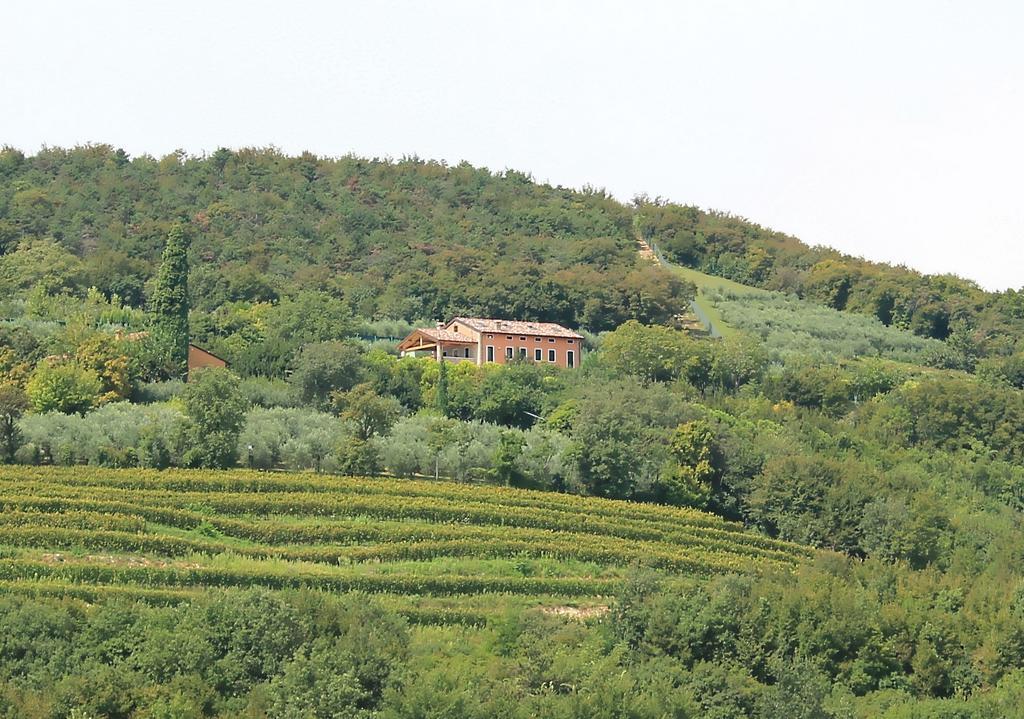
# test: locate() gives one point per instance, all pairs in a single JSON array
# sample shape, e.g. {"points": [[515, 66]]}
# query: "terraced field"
{"points": [[436, 551]]}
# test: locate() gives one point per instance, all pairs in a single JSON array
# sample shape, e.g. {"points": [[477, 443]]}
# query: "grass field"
{"points": [[437, 552]]}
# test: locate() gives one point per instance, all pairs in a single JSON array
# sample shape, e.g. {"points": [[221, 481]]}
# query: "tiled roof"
{"points": [[445, 335], [516, 327]]}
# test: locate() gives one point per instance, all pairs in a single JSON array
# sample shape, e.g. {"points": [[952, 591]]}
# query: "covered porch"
{"points": [[439, 344]]}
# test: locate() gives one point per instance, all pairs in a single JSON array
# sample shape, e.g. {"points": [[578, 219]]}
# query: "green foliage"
{"points": [[117, 434], [370, 414], [690, 477], [64, 387], [793, 328], [324, 368], [169, 305], [289, 438], [513, 396], [13, 403], [618, 433], [405, 239], [812, 499], [41, 264], [441, 391], [805, 423], [655, 354], [216, 410], [930, 306]]}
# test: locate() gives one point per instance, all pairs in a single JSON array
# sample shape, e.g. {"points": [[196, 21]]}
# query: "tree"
{"points": [[367, 411], [813, 499], [688, 480], [510, 446], [216, 409], [169, 305], [65, 387], [511, 395], [657, 354], [101, 353], [318, 684], [13, 404], [43, 264], [441, 400], [326, 367]]}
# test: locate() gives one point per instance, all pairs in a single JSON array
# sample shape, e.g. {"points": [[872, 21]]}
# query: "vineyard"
{"points": [[435, 551]]}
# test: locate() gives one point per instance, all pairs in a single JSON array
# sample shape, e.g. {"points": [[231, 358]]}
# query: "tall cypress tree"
{"points": [[442, 389], [169, 305]]}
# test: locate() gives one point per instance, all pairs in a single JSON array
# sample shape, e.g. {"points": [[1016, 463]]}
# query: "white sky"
{"points": [[888, 129]]}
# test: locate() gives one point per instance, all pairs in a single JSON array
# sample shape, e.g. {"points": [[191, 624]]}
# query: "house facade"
{"points": [[478, 340]]}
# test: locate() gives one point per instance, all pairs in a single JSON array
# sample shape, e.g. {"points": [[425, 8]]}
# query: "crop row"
{"points": [[49, 498], [73, 519], [320, 503], [239, 481], [352, 531], [355, 531], [586, 549], [93, 593], [326, 579]]}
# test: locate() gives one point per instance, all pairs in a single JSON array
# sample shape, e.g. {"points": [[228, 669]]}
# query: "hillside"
{"points": [[815, 512], [731, 247], [194, 594], [408, 240], [414, 239], [434, 550]]}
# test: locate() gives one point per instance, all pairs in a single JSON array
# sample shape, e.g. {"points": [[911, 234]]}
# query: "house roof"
{"points": [[516, 327], [446, 335], [433, 334]]}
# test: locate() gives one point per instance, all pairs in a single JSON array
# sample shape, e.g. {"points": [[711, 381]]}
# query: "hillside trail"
{"points": [[646, 251], [696, 321]]}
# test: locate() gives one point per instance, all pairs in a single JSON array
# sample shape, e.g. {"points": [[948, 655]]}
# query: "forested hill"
{"points": [[412, 239], [407, 239]]}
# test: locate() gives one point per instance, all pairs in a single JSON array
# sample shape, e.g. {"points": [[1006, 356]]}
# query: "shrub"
{"points": [[63, 387]]}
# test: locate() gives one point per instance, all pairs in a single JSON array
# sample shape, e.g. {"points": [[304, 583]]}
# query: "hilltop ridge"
{"points": [[413, 239]]}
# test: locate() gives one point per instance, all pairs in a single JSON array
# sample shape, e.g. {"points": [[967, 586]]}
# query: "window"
{"points": [[508, 337], [490, 337], [551, 355], [522, 339], [522, 353], [569, 341], [467, 351], [536, 354], [570, 360], [508, 353], [490, 353], [551, 339], [537, 339]]}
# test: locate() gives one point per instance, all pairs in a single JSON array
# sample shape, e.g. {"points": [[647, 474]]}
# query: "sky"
{"points": [[890, 130]]}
